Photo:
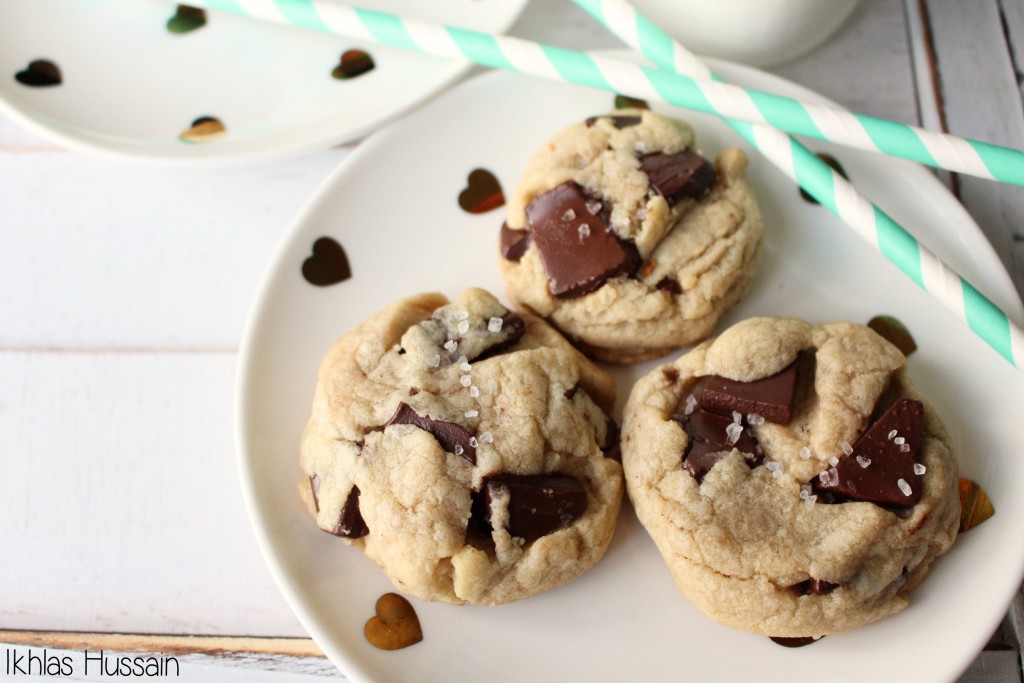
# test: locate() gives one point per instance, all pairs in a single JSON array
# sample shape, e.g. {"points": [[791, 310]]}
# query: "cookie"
{"points": [[624, 237], [793, 479], [464, 448]]}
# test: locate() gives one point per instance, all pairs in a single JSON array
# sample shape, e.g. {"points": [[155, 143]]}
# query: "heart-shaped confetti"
{"points": [[186, 19], [894, 332], [203, 129], [836, 166], [328, 265], [40, 73], [353, 63], [482, 192], [395, 625], [975, 505]]}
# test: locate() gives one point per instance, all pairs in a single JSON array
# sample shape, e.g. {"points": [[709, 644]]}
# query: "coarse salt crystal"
{"points": [[568, 215], [465, 367], [847, 448], [640, 146], [458, 449], [465, 380], [584, 231], [451, 345], [732, 433], [899, 441], [904, 448], [474, 391], [777, 471], [434, 361], [462, 315], [755, 419], [736, 417], [463, 327], [809, 500], [904, 486], [891, 434], [593, 206], [805, 453], [641, 213], [833, 461], [691, 403], [919, 469], [494, 325], [487, 437], [829, 477], [472, 413], [805, 490], [473, 442], [862, 461]]}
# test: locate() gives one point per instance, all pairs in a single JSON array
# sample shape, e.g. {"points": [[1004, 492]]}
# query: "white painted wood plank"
{"points": [[981, 100], [102, 255], [120, 507]]}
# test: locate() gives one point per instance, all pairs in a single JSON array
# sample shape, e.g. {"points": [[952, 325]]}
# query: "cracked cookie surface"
{"points": [[627, 240], [463, 448], [821, 522]]}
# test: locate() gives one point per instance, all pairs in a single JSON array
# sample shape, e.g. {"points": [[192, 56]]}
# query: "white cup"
{"points": [[754, 32]]}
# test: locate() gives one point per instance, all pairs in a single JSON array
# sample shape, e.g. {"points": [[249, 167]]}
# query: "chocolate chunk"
{"points": [[677, 176], [513, 327], [579, 251], [670, 285], [619, 122], [314, 488], [453, 437], [513, 242], [771, 397], [350, 522], [814, 586], [883, 467], [537, 503], [794, 642], [710, 434]]}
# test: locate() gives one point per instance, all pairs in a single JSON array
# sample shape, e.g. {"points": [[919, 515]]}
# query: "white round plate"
{"points": [[130, 87], [392, 206]]}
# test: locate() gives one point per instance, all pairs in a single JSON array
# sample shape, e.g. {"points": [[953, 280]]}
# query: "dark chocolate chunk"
{"points": [[619, 122], [314, 487], [678, 176], [670, 285], [513, 327], [350, 522], [881, 468], [814, 586], [579, 251], [709, 441], [513, 242], [794, 642], [771, 397], [537, 503], [453, 437]]}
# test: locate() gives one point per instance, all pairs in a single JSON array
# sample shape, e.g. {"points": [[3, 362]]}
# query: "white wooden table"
{"points": [[125, 290]]}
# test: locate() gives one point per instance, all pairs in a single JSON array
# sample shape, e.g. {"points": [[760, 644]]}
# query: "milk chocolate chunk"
{"points": [[712, 437], [883, 466], [350, 522], [513, 242], [453, 437], [579, 250], [771, 397], [538, 504], [678, 176]]}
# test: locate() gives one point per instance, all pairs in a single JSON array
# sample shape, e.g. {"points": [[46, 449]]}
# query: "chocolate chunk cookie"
{"points": [[793, 479], [627, 239], [465, 449]]}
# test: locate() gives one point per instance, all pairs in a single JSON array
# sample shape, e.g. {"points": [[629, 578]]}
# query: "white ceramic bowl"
{"points": [[755, 32]]}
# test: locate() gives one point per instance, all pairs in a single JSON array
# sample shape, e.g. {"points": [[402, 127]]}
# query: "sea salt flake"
{"points": [[862, 461], [568, 215], [732, 433], [494, 325], [641, 213], [809, 500], [846, 447], [640, 146], [487, 437], [736, 417], [472, 413], [434, 361], [833, 461], [904, 486], [593, 207], [755, 420], [584, 231], [899, 441], [891, 435], [905, 448], [465, 380], [451, 345], [465, 367], [462, 315], [458, 449], [805, 453], [474, 392], [473, 442], [463, 327], [691, 403], [919, 469]]}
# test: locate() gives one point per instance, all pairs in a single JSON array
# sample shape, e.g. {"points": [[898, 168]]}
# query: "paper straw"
{"points": [[503, 52], [828, 187], [701, 94]]}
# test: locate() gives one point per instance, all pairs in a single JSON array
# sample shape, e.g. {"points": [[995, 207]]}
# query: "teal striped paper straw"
{"points": [[713, 97], [697, 93], [825, 185]]}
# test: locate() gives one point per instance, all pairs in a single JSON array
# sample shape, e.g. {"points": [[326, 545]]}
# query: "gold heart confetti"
{"points": [[395, 625]]}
